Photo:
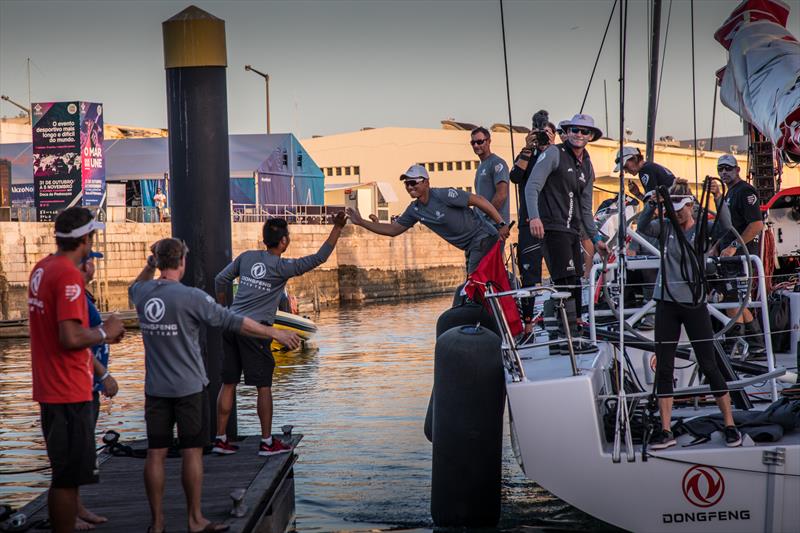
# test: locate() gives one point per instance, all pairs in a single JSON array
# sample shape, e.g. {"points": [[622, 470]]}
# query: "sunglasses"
{"points": [[582, 131], [478, 142], [724, 168], [413, 183]]}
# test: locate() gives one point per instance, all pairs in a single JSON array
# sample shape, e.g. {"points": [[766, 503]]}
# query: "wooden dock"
{"points": [[267, 484]]}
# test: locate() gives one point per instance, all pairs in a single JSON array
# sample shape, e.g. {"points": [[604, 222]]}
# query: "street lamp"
{"points": [[266, 81]]}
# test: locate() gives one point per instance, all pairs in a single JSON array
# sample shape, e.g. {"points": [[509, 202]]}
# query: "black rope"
{"points": [[694, 102], [597, 59], [663, 55], [671, 459], [508, 90]]}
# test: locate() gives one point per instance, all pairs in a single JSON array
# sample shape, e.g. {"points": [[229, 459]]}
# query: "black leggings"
{"points": [[669, 318]]}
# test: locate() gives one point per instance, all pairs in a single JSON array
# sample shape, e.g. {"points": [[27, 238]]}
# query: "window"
{"points": [[300, 159], [347, 171], [338, 171], [357, 171], [431, 166], [285, 159], [469, 189], [458, 165], [440, 166], [449, 165], [329, 171]]}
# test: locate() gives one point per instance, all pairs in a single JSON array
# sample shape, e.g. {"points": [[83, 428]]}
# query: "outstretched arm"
{"points": [[486, 206], [390, 230]]}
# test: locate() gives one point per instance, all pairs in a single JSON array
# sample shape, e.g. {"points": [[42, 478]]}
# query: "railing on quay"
{"points": [[293, 214]]}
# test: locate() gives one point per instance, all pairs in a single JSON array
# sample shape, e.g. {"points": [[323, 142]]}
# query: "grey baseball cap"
{"points": [[414, 172], [727, 159]]}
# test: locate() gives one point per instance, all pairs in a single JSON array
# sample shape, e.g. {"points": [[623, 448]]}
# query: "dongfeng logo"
{"points": [[703, 486], [258, 271], [154, 309], [36, 280]]}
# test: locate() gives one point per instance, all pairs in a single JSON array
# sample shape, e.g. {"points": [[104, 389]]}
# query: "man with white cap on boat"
{"points": [[447, 213], [559, 199], [651, 174]]}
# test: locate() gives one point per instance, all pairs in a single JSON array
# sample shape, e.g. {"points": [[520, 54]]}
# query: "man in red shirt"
{"points": [[62, 364]]}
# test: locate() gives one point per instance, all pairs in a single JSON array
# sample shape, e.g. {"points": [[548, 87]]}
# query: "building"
{"points": [[381, 154]]}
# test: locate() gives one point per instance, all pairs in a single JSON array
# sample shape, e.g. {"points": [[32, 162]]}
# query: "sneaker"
{"points": [[662, 439], [277, 447], [732, 437], [579, 347], [224, 447]]}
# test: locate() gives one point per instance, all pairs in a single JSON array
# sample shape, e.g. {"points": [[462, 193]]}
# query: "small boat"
{"points": [[304, 327]]}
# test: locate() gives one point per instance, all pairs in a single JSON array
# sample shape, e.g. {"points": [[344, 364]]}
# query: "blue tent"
{"points": [[288, 176], [266, 157]]}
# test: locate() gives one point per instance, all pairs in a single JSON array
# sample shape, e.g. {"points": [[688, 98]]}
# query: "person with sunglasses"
{"points": [[559, 200], [742, 201], [491, 178], [447, 213]]}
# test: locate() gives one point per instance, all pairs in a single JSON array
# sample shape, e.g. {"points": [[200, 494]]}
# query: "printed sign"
{"points": [[22, 195], [68, 165]]}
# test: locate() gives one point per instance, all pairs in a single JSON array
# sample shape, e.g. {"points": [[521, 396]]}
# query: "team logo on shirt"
{"points": [[209, 299], [571, 265], [541, 157], [72, 292], [498, 167], [752, 199], [154, 309], [645, 178], [452, 193], [258, 270], [439, 215], [36, 280]]}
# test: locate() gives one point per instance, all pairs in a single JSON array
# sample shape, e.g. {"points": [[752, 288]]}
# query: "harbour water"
{"points": [[359, 397]]}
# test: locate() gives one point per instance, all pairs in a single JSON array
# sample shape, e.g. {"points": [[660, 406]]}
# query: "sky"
{"points": [[338, 66]]}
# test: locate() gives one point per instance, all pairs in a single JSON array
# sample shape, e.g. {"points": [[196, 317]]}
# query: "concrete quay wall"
{"points": [[363, 267]]}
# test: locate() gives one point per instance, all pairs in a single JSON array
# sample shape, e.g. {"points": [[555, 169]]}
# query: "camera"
{"points": [[538, 124]]}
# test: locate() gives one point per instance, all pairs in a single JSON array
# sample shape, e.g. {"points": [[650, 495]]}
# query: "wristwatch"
{"points": [[499, 225]]}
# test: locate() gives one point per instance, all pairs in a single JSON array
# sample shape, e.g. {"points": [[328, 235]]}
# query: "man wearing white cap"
{"points": [[746, 219], [652, 175], [447, 213], [62, 365], [559, 200]]}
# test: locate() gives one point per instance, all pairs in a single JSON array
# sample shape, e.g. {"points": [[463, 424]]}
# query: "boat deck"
{"points": [[120, 495]]}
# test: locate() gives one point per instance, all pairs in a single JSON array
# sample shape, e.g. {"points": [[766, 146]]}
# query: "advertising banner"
{"points": [[68, 164], [56, 157], [22, 195], [93, 171]]}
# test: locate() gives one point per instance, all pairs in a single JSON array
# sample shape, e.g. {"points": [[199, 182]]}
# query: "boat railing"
{"points": [[716, 309]]}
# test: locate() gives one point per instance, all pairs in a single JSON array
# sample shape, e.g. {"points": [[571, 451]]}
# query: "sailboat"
{"points": [[579, 423]]}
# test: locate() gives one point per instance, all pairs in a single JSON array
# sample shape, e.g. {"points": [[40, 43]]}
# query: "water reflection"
{"points": [[359, 397]]}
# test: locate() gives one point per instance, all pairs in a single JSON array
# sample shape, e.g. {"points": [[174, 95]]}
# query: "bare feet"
{"points": [[91, 518], [82, 525], [210, 527]]}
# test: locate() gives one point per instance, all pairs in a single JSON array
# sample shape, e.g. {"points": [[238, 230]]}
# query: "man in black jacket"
{"points": [[529, 250], [559, 201]]}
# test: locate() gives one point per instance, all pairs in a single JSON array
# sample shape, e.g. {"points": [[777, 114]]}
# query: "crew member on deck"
{"points": [[681, 303], [559, 200], [491, 178], [447, 213], [651, 174], [746, 219]]}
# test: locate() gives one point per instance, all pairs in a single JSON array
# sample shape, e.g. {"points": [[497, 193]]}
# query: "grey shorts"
{"points": [[477, 249]]}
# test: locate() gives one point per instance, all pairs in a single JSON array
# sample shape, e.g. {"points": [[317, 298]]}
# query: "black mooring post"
{"points": [[195, 59]]}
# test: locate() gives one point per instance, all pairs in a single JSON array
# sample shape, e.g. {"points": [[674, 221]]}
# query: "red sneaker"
{"points": [[277, 447], [224, 447]]}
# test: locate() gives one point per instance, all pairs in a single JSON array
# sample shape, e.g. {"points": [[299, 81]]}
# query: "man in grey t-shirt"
{"points": [[171, 316], [492, 176], [447, 213], [262, 278]]}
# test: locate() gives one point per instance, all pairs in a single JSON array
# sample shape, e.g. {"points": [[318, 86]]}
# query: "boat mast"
{"points": [[654, 81]]}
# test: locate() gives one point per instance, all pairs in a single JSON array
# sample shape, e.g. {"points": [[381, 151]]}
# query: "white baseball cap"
{"points": [[414, 172], [727, 159], [86, 229], [627, 153]]}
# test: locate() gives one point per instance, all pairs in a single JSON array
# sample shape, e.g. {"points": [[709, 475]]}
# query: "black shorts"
{"points": [[247, 355], [68, 430], [190, 413], [563, 254]]}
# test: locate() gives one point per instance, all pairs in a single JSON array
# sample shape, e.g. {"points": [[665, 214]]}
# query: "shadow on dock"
{"points": [[265, 485]]}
